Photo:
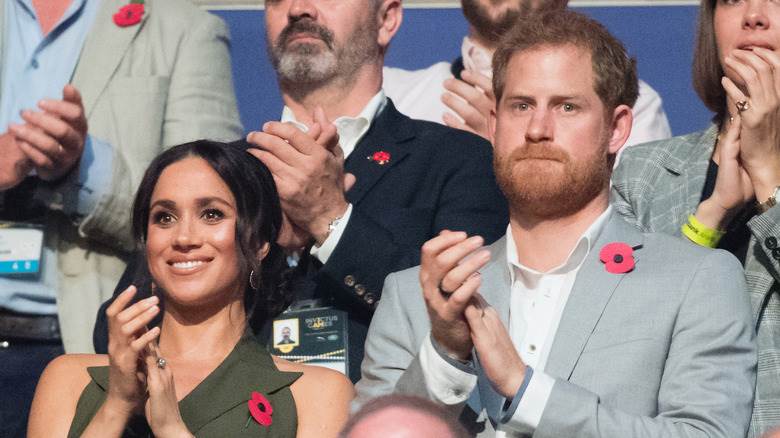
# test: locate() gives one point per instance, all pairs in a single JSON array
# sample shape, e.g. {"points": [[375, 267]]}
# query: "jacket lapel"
{"points": [[389, 131], [103, 50], [590, 294], [680, 161]]}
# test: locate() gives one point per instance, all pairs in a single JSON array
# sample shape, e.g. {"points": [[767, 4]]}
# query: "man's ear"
{"points": [[263, 251], [492, 125], [620, 129], [389, 17]]}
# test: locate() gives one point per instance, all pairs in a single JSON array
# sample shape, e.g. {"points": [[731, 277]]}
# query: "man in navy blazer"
{"points": [[362, 186]]}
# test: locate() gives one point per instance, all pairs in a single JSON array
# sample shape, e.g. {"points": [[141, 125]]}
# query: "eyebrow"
{"points": [[200, 202], [556, 98]]}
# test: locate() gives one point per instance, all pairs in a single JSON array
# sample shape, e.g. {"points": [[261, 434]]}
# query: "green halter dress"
{"points": [[219, 405]]}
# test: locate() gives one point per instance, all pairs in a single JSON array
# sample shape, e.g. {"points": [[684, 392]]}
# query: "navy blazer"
{"points": [[436, 178]]}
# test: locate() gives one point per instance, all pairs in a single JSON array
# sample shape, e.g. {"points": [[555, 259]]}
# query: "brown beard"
{"points": [[544, 181], [492, 19]]}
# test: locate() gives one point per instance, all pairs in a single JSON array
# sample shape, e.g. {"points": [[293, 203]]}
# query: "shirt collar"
{"points": [[476, 58], [72, 9], [350, 129], [573, 260]]}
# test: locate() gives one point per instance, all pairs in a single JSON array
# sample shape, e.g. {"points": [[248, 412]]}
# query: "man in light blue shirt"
{"points": [[72, 82]]}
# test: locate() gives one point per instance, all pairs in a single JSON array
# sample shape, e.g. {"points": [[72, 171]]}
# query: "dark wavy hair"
{"points": [[259, 218]]}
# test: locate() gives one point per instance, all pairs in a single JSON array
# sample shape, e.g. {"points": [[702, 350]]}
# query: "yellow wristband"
{"points": [[700, 234]]}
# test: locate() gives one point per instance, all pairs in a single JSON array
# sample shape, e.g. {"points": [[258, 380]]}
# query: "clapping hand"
{"points": [[759, 71], [15, 165], [162, 407], [497, 354], [472, 99], [733, 187], [128, 341], [53, 138], [449, 275], [308, 169]]}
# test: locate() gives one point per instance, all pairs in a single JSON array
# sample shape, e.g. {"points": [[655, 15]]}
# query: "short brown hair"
{"points": [[614, 71], [707, 70], [407, 402]]}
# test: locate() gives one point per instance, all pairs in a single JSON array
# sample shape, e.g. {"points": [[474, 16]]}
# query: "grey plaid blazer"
{"points": [[656, 186]]}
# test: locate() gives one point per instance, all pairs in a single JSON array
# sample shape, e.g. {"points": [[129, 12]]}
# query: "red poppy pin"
{"points": [[380, 157], [618, 257], [261, 409], [130, 14]]}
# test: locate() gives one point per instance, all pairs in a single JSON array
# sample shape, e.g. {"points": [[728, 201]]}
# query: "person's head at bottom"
{"points": [[206, 217], [402, 416]]}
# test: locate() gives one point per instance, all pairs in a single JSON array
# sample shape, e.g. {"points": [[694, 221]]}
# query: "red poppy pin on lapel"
{"points": [[261, 409], [380, 157], [130, 14], [618, 257]]}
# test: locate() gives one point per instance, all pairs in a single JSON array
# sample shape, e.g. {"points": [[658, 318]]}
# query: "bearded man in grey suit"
{"points": [[575, 324]]}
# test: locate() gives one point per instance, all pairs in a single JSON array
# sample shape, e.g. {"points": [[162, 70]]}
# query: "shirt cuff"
{"points": [[323, 252], [79, 193], [448, 381], [528, 411]]}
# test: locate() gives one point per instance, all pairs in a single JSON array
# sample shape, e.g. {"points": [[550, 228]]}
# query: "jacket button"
{"points": [[771, 242], [360, 289], [370, 299], [776, 253], [349, 280]]}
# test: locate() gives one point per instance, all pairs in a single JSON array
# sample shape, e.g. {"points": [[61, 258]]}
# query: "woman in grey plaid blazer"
{"points": [[727, 176]]}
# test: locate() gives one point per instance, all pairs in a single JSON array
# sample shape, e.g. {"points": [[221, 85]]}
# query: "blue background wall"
{"points": [[660, 37]]}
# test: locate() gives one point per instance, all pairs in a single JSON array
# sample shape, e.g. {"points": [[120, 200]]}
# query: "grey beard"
{"points": [[306, 66]]}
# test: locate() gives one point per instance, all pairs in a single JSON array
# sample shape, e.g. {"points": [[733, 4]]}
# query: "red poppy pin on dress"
{"points": [[380, 157], [130, 14], [618, 257], [261, 409]]}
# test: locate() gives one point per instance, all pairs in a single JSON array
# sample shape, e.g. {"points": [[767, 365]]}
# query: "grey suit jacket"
{"points": [[656, 186], [164, 81], [666, 350]]}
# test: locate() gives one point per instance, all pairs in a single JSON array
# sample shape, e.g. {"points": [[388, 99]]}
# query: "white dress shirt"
{"points": [[418, 95], [350, 130], [536, 306]]}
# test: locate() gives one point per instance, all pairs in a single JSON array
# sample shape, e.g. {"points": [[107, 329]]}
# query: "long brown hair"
{"points": [[707, 70]]}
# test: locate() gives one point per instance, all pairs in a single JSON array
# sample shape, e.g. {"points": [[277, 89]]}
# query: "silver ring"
{"points": [[161, 362], [743, 105]]}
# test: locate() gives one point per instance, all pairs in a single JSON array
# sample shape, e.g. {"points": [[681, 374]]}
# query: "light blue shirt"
{"points": [[38, 67]]}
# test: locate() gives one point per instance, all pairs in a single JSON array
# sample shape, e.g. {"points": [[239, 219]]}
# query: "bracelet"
{"points": [[332, 225], [700, 234]]}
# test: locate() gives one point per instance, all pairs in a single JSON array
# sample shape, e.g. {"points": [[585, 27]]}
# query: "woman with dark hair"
{"points": [[207, 217], [719, 187]]}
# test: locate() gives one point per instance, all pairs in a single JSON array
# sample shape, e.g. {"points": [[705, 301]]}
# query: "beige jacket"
{"points": [[164, 81]]}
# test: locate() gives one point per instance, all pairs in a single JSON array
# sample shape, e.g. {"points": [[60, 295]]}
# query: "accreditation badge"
{"points": [[20, 248], [312, 336]]}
